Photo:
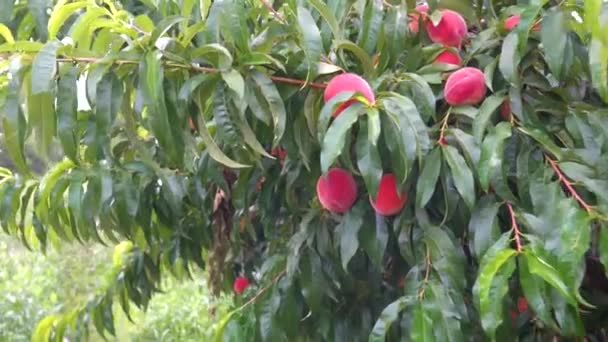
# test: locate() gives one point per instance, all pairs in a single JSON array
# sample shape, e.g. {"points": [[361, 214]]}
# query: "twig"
{"points": [[280, 79], [444, 125], [569, 186], [514, 227], [262, 291], [273, 11], [426, 274]]}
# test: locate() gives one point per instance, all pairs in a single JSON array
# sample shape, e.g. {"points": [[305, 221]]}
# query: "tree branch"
{"points": [[515, 227], [569, 185]]}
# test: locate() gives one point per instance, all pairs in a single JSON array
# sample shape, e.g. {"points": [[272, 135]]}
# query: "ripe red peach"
{"points": [[347, 83], [448, 57], [388, 201], [337, 190], [466, 86], [414, 18], [449, 31], [240, 284]]}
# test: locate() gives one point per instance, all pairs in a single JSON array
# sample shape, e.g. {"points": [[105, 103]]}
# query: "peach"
{"points": [[388, 201], [514, 20], [448, 57], [414, 18], [240, 284], [348, 83], [466, 86], [337, 190], [450, 30]]}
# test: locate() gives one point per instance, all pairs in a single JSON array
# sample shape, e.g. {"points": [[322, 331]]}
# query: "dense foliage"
{"points": [[204, 131]]}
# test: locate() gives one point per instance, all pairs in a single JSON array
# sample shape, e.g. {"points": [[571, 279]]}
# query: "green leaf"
{"points": [[535, 292], [327, 112], [348, 231], [61, 13], [6, 33], [368, 160], [509, 58], [44, 328], [492, 151], [235, 82], [333, 142], [541, 268], [388, 316], [429, 174], [598, 63], [310, 40], [41, 117], [488, 107], [329, 17], [462, 175], [483, 226], [374, 238], [67, 106], [554, 37], [38, 9], [603, 248], [44, 68], [220, 57], [275, 103], [496, 258], [422, 325], [366, 62], [109, 98], [371, 23]]}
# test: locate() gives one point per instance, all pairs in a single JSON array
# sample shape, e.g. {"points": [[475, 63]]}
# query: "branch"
{"points": [[193, 67], [426, 273], [569, 186], [514, 227], [273, 11], [262, 291], [444, 125]]}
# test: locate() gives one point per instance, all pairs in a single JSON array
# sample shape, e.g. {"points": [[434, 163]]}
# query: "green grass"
{"points": [[33, 285]]}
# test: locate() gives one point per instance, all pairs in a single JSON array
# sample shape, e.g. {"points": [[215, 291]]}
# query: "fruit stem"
{"points": [[444, 125], [514, 227]]}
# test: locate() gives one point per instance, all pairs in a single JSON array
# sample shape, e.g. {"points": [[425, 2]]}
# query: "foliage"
{"points": [[499, 209]]}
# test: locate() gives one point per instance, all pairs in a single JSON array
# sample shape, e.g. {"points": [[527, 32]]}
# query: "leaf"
{"points": [[554, 38], [6, 33], [60, 14], [492, 151], [541, 268], [235, 82], [44, 68], [419, 91], [603, 248], [496, 257], [223, 58], [483, 225], [348, 231], [374, 238], [275, 103], [67, 106], [366, 62], [462, 175], [327, 112], [422, 325], [13, 123], [38, 9], [44, 328], [371, 23], [488, 107], [310, 40], [109, 98], [368, 160], [328, 16], [427, 181], [388, 316], [509, 58], [598, 64], [333, 142], [536, 294]]}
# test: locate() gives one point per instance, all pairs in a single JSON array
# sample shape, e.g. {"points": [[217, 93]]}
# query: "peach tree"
{"points": [[348, 169]]}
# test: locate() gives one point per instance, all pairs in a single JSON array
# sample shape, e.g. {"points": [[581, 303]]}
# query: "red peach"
{"points": [[415, 17], [448, 57], [337, 190], [514, 20], [505, 110], [466, 86], [347, 83], [522, 304], [450, 31], [240, 284], [388, 201]]}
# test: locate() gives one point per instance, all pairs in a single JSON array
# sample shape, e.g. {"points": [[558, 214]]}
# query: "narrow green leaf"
{"points": [[235, 82], [388, 316], [483, 225], [488, 107], [462, 175], [425, 186], [13, 123], [368, 160], [38, 9], [366, 62], [554, 37], [509, 58], [371, 23], [329, 17], [61, 13], [275, 103], [44, 68], [333, 142], [492, 151], [327, 112], [311, 41], [542, 269], [422, 325], [348, 231], [67, 106], [220, 57], [6, 33]]}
